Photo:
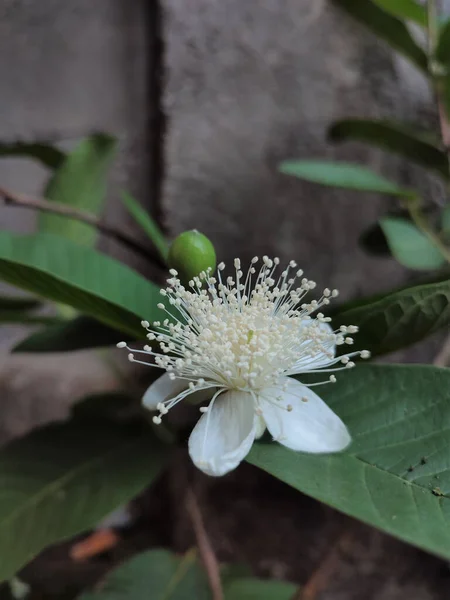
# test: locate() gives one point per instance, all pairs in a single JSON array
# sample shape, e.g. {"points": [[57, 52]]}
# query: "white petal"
{"points": [[321, 359], [162, 389], [311, 426], [224, 435], [260, 426]]}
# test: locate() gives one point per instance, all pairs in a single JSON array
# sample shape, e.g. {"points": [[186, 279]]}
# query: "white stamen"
{"points": [[245, 332]]}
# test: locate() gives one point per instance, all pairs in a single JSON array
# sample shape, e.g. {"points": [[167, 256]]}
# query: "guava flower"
{"points": [[239, 340]]}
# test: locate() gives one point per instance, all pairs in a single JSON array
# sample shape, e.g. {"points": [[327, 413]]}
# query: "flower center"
{"points": [[243, 333]]}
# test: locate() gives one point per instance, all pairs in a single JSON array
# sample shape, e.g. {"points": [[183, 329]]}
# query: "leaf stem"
{"points": [[42, 204]]}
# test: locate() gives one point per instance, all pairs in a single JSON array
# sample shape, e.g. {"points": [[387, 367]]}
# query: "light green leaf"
{"points": [[258, 589], [394, 473], [91, 282], [399, 138], [80, 182], [405, 9], [344, 175], [387, 27], [143, 219], [155, 575], [399, 319], [47, 154], [77, 334], [62, 479], [410, 246]]}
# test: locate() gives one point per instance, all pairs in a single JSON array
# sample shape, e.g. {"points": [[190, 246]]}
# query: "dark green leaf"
{"points": [[160, 575], [155, 575], [47, 154], [143, 219], [19, 303], [91, 282], [80, 182], [25, 318], [442, 52], [62, 479], [405, 9], [394, 473], [341, 174], [258, 589], [395, 137], [387, 27], [410, 246], [399, 319], [78, 334]]}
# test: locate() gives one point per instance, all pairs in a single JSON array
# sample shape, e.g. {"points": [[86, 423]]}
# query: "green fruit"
{"points": [[191, 253]]}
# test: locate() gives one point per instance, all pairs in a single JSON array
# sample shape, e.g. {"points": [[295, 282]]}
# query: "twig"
{"points": [[442, 358], [24, 201], [204, 546], [321, 576]]}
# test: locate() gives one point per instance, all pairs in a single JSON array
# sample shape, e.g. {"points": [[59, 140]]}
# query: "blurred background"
{"points": [[206, 97]]}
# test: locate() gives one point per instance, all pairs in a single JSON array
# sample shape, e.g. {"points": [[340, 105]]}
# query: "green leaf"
{"points": [[410, 246], [91, 282], [398, 138], [80, 182], [78, 334], [150, 227], [161, 575], [394, 473], [387, 27], [344, 175], [18, 309], [405, 9], [47, 154], [399, 319], [155, 575], [19, 303], [62, 479], [442, 52], [258, 589]]}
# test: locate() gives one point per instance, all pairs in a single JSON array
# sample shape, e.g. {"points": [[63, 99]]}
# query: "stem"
{"points": [[204, 546], [69, 212]]}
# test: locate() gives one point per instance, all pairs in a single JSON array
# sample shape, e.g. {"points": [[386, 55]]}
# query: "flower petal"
{"points": [[320, 359], [260, 426], [162, 389], [224, 435], [310, 426]]}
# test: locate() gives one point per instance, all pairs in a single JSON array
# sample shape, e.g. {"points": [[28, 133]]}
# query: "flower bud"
{"points": [[191, 253]]}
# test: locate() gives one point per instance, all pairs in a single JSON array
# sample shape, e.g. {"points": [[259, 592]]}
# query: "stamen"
{"points": [[244, 332]]}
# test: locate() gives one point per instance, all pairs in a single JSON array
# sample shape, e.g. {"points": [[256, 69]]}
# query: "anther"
{"points": [[121, 345]]}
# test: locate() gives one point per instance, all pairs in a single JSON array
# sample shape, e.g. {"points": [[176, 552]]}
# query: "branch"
{"points": [[204, 546], [24, 201]]}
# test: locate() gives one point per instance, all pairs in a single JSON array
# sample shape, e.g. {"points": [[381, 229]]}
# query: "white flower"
{"points": [[239, 340]]}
